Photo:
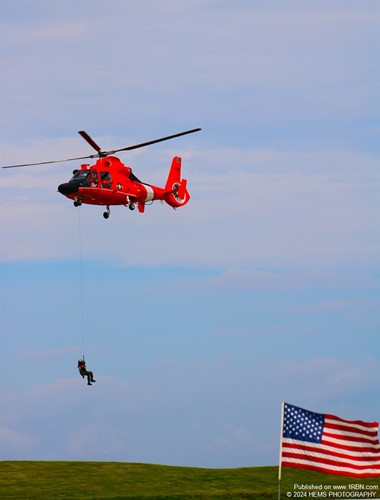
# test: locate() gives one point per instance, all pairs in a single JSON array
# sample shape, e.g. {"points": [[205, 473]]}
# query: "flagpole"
{"points": [[280, 461]]}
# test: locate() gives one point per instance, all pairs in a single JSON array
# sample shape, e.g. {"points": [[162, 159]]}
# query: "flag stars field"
{"points": [[301, 422]]}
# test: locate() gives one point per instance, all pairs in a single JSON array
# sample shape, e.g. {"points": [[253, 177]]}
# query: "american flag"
{"points": [[330, 444]]}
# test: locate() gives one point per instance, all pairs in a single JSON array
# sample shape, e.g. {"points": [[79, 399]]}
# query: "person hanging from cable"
{"points": [[84, 372]]}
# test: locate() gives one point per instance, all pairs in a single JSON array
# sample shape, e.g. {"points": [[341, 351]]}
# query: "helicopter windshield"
{"points": [[80, 176]]}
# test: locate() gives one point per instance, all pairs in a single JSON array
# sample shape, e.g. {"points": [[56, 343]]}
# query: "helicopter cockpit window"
{"points": [[106, 179], [80, 176]]}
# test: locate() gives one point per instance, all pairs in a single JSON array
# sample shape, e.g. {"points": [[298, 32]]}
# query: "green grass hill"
{"points": [[31, 480]]}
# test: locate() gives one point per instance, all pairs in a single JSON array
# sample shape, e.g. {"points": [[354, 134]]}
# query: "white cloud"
{"points": [[108, 443], [258, 208], [46, 33], [44, 355], [209, 406], [350, 304], [326, 384], [248, 63], [233, 437], [14, 444]]}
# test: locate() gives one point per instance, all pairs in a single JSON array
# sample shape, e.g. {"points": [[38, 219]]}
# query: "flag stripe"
{"points": [[329, 444], [353, 423], [371, 434], [342, 443], [312, 448], [340, 471], [336, 461], [349, 435]]}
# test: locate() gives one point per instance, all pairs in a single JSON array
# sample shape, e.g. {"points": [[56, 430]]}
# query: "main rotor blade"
{"points": [[48, 162], [89, 139], [143, 144], [103, 153]]}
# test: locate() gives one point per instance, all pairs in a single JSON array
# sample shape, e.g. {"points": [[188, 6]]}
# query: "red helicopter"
{"points": [[110, 182]]}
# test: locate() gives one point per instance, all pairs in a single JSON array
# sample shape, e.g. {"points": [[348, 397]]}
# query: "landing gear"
{"points": [[130, 205], [107, 213], [77, 203]]}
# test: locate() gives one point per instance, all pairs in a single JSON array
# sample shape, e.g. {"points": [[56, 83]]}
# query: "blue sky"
{"points": [[197, 322]]}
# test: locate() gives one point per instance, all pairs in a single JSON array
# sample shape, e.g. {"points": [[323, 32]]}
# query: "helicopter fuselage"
{"points": [[110, 182]]}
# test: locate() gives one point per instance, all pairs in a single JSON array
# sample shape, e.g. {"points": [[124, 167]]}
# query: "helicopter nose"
{"points": [[68, 188]]}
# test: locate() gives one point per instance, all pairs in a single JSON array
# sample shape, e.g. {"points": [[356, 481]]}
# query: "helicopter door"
{"points": [[94, 178]]}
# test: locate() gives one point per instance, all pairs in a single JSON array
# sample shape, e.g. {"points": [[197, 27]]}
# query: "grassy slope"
{"points": [[109, 480]]}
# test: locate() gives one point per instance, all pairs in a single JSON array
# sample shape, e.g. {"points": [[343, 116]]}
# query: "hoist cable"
{"points": [[81, 277]]}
